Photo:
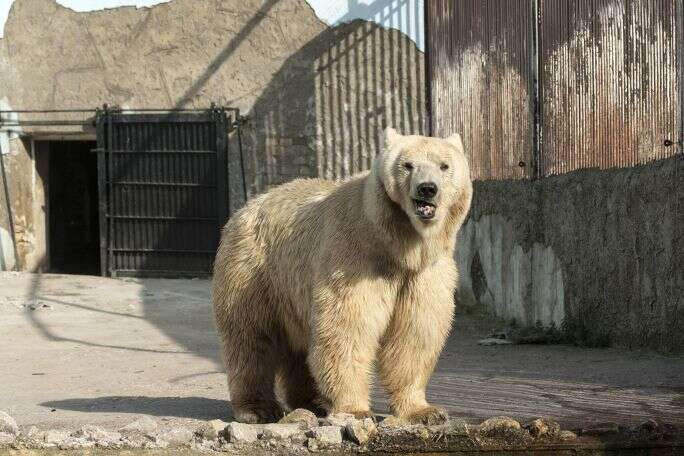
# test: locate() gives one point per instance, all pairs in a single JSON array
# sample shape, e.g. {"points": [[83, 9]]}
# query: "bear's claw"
{"points": [[429, 416]]}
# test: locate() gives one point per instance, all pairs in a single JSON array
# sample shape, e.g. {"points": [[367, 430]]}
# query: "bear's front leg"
{"points": [[346, 324], [414, 339]]}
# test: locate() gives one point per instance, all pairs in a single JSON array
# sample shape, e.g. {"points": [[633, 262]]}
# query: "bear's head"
{"points": [[427, 177]]}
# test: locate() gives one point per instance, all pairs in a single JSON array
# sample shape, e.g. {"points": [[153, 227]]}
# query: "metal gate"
{"points": [[163, 190]]}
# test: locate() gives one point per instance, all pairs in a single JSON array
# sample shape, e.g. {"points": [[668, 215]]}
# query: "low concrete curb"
{"points": [[296, 435]]}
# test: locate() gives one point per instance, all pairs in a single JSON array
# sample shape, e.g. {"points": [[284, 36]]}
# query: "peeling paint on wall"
{"points": [[597, 87], [6, 133], [510, 281], [481, 72], [609, 84], [7, 260], [495, 141]]}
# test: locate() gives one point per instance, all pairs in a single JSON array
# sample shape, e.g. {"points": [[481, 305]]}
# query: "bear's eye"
{"points": [[408, 165], [444, 167]]}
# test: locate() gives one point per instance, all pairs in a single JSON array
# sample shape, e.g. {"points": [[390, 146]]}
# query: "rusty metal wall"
{"points": [[608, 83], [481, 66], [557, 85]]}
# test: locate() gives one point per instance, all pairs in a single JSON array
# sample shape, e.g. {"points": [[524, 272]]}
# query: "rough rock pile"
{"points": [[302, 432]]}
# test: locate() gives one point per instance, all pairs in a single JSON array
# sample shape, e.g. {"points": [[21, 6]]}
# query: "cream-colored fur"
{"points": [[318, 282]]}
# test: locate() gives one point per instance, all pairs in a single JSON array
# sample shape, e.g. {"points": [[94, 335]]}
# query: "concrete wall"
{"points": [[599, 252], [317, 97], [26, 194], [403, 15]]}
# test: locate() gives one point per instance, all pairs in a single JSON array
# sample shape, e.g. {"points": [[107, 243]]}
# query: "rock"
{"points": [[361, 431], [338, 419], [454, 427], [492, 341], [312, 444], [75, 443], [392, 422], [8, 425], [241, 433], [55, 437], [299, 438], [543, 427], [141, 433], [154, 441], [404, 439], [211, 430], [144, 425], [98, 436], [500, 426], [327, 435], [176, 437], [279, 431], [306, 419], [33, 433], [6, 439], [136, 439], [358, 431], [93, 433], [567, 436], [649, 427], [599, 429]]}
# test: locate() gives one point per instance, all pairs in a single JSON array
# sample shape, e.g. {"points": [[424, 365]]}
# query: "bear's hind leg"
{"points": [[251, 379], [298, 384], [250, 352]]}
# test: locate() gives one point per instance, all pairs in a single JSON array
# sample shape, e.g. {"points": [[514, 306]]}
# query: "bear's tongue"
{"points": [[425, 210]]}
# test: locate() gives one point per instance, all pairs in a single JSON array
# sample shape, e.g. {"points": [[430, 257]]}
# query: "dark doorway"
{"points": [[73, 207]]}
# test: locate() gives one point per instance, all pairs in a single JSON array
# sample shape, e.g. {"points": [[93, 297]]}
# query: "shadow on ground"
{"points": [[178, 308], [197, 408]]}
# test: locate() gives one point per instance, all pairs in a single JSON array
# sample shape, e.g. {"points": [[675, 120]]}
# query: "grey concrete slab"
{"points": [[77, 350]]}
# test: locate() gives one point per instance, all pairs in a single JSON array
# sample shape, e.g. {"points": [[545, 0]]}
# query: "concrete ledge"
{"points": [[498, 435]]}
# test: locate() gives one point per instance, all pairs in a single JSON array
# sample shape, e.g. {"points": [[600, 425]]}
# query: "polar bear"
{"points": [[316, 283]]}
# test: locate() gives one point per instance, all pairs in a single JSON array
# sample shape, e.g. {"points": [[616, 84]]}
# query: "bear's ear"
{"points": [[391, 136], [455, 140]]}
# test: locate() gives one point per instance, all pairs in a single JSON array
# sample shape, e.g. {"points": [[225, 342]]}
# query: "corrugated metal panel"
{"points": [[165, 180], [481, 63], [324, 112], [609, 88]]}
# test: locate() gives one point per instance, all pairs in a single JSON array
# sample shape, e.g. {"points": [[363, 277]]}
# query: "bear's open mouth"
{"points": [[424, 209]]}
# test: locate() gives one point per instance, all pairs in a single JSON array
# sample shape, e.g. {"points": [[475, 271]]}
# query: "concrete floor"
{"points": [[104, 351]]}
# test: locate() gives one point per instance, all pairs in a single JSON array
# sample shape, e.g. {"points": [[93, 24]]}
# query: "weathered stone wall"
{"points": [[600, 252], [317, 97], [26, 196], [7, 254]]}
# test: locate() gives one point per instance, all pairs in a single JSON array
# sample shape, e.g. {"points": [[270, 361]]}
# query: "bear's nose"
{"points": [[427, 190]]}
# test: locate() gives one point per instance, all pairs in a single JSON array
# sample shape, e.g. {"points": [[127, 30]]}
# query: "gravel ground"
{"points": [[80, 350]]}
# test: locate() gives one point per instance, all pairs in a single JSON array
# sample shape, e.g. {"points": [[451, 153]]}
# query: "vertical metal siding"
{"points": [[609, 88], [482, 81]]}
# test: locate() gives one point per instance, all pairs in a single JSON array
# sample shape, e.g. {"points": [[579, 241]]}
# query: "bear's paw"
{"points": [[429, 416]]}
